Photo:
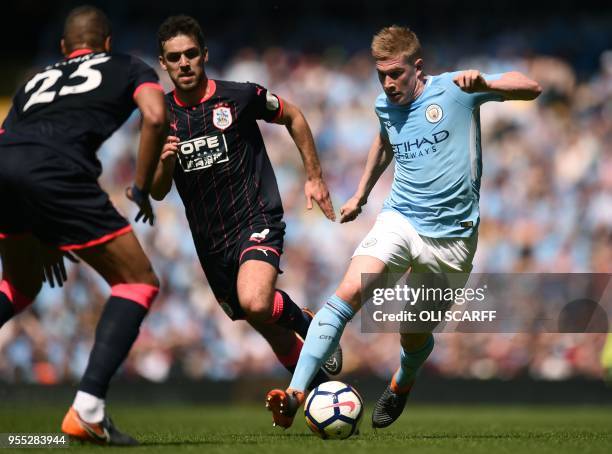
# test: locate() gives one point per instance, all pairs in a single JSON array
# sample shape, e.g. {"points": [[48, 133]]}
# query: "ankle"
{"points": [[400, 389], [89, 407]]}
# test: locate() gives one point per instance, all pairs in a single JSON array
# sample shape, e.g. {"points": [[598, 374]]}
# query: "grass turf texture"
{"points": [[422, 429]]}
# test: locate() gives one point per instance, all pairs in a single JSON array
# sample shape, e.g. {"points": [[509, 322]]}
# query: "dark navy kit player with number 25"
{"points": [[50, 198]]}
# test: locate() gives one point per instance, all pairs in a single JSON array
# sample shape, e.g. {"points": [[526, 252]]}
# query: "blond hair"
{"points": [[396, 41]]}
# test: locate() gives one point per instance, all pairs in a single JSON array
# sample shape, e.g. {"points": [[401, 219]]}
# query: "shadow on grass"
{"points": [[492, 436], [231, 440]]}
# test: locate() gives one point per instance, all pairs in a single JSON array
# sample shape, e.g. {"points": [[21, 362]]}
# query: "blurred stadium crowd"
{"points": [[546, 203]]}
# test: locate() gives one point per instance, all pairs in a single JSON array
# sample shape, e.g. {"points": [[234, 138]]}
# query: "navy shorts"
{"points": [[262, 242], [45, 194]]}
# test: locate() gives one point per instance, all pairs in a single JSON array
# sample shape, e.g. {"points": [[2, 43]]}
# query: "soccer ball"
{"points": [[333, 410]]}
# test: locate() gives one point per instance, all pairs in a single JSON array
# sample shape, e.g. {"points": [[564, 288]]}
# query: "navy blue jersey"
{"points": [[76, 104], [223, 173]]}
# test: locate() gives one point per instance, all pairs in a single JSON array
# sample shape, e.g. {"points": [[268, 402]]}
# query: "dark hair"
{"points": [[179, 25], [86, 25]]}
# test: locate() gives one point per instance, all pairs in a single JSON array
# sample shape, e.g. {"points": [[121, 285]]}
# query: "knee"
{"points": [[145, 275], [256, 307], [350, 291], [150, 278]]}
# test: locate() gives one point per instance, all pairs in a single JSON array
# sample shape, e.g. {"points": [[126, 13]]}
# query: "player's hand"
{"points": [[471, 81], [350, 210], [141, 198], [169, 150], [54, 270], [317, 189]]}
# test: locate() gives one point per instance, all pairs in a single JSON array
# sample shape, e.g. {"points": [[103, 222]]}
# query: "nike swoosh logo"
{"points": [[348, 403], [328, 324], [104, 436]]}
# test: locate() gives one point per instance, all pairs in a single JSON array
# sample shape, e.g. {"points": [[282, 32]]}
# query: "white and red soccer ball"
{"points": [[333, 410]]}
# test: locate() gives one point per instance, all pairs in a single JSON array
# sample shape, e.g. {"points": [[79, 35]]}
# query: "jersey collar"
{"points": [[79, 52], [211, 87]]}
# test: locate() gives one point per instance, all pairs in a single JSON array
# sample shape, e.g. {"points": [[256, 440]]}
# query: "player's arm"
{"points": [[512, 85], [315, 187], [10, 119], [162, 180], [152, 106], [379, 158]]}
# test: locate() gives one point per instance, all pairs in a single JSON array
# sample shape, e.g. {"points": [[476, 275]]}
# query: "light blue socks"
{"points": [[322, 340], [410, 362]]}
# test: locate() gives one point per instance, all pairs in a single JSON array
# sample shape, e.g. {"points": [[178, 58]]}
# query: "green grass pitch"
{"points": [[422, 429]]}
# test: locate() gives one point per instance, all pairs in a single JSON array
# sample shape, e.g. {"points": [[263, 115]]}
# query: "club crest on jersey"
{"points": [[222, 117], [433, 113]]}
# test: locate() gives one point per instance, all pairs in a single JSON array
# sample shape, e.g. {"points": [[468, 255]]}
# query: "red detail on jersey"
{"points": [[2, 236], [348, 403], [267, 248], [143, 294], [79, 52], [2, 130], [148, 84], [19, 301], [103, 239], [211, 87], [291, 358], [177, 100], [280, 110]]}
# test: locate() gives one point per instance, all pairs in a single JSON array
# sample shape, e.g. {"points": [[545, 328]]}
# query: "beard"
{"points": [[194, 82]]}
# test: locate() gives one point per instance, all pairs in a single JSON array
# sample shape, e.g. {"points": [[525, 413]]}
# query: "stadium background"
{"points": [[545, 203]]}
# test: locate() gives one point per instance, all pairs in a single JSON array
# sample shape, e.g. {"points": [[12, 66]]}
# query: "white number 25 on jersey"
{"points": [[93, 79]]}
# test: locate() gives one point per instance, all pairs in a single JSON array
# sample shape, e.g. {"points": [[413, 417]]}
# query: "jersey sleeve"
{"points": [[142, 75], [383, 129], [380, 115], [473, 100], [265, 105]]}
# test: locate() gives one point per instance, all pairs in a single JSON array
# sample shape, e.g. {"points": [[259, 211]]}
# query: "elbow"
{"points": [[290, 115], [536, 90], [531, 93], [155, 120], [533, 89]]}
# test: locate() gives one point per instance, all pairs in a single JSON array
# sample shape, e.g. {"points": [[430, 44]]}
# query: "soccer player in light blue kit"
{"points": [[429, 222]]}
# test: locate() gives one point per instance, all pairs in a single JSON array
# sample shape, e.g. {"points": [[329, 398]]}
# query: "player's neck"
{"points": [[419, 88], [193, 97]]}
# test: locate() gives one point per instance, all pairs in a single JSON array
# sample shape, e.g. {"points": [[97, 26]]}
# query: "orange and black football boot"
{"points": [[284, 405], [102, 433]]}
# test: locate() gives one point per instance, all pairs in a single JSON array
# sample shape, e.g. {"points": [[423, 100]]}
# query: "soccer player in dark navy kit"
{"points": [[50, 198], [217, 158]]}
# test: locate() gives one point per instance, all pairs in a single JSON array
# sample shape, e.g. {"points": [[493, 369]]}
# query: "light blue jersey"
{"points": [[436, 143]]}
